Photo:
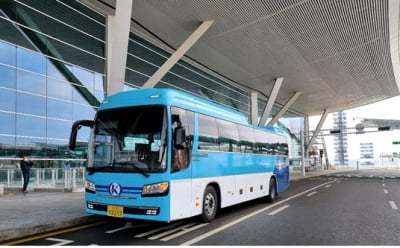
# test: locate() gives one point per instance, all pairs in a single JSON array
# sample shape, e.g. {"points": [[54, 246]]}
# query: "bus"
{"points": [[164, 155]]}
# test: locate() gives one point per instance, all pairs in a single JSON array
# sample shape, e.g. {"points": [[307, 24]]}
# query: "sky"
{"points": [[387, 109]]}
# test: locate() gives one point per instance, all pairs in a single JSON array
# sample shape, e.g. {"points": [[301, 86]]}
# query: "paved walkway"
{"points": [[39, 211]]}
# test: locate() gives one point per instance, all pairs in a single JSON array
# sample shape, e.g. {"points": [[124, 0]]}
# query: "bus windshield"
{"points": [[129, 140]]}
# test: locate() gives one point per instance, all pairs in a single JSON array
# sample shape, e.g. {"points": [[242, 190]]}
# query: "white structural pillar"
{"points": [[271, 101], [393, 9], [317, 130], [118, 27], [178, 54], [254, 108], [284, 108]]}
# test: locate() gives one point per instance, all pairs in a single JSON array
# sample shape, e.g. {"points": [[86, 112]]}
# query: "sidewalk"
{"points": [[37, 212], [42, 211]]}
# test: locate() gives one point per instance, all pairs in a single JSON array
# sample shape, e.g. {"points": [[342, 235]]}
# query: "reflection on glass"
{"points": [[7, 146], [99, 82], [31, 82], [59, 89], [31, 61], [7, 123], [32, 147], [81, 112], [58, 129], [7, 54], [7, 100], [52, 70], [54, 107], [31, 126], [7, 78], [84, 76], [31, 104]]}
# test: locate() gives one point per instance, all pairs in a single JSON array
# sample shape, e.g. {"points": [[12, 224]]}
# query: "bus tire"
{"points": [[210, 204], [273, 194]]}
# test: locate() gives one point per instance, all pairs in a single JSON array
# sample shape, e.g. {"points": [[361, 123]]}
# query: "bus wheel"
{"points": [[272, 191], [210, 204]]}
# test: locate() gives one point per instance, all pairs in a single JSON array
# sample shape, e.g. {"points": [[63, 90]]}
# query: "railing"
{"points": [[69, 179]]}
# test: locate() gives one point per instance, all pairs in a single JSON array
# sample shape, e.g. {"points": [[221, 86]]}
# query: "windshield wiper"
{"points": [[140, 170]]}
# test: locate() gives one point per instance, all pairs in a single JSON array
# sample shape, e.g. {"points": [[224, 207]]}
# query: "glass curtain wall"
{"points": [[52, 73]]}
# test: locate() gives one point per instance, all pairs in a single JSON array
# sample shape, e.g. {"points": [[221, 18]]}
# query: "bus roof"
{"points": [[171, 97]]}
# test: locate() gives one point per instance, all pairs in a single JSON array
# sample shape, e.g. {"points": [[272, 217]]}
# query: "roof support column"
{"points": [[317, 130], [284, 108], [271, 101], [254, 107], [178, 54], [118, 27]]}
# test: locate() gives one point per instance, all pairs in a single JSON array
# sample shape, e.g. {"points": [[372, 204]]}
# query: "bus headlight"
{"points": [[155, 189], [90, 187]]}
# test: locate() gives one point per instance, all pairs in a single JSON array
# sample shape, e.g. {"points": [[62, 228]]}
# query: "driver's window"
{"points": [[181, 154]]}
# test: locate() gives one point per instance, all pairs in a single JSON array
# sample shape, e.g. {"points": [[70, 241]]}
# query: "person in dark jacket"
{"points": [[26, 165]]}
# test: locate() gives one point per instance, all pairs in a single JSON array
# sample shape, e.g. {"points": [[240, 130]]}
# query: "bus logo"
{"points": [[115, 189]]}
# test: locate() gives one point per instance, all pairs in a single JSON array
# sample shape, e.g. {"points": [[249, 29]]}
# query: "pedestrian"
{"points": [[26, 165]]}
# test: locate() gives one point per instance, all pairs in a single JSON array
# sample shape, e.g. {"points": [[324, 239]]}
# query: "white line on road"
{"points": [[175, 235], [141, 235], [60, 241], [327, 186], [385, 191], [171, 231], [126, 226], [312, 193], [393, 205], [279, 210], [221, 228]]}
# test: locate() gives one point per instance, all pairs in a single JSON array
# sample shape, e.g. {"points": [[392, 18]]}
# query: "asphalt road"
{"points": [[354, 208]]}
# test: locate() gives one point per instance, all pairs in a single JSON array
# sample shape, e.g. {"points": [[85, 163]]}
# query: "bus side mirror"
{"points": [[180, 138], [74, 131]]}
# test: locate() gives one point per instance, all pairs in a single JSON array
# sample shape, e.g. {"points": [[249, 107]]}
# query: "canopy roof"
{"points": [[339, 54]]}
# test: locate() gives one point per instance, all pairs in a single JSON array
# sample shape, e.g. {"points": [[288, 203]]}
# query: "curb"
{"points": [[12, 234]]}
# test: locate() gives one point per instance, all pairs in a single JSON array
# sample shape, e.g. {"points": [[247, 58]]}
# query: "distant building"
{"points": [[366, 153], [340, 139]]}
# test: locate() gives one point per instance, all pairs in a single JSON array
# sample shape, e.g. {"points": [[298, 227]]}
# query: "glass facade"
{"points": [[52, 67], [52, 73]]}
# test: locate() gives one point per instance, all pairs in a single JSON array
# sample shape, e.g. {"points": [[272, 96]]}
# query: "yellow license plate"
{"points": [[115, 211]]}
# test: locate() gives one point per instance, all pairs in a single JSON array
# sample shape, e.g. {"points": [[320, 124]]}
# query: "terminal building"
{"points": [[60, 58]]}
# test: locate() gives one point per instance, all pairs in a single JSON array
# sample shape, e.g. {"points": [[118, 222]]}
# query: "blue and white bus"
{"points": [[164, 155]]}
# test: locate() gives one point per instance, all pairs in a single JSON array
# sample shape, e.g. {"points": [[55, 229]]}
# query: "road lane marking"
{"points": [[393, 205], [171, 231], [279, 210], [312, 193], [175, 235], [60, 241], [127, 225], [327, 186], [385, 191], [141, 235], [221, 228], [42, 236]]}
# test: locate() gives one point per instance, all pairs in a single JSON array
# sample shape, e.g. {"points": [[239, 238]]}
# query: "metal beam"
{"points": [[254, 108], [284, 108], [271, 101], [118, 27], [317, 130], [178, 54]]}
